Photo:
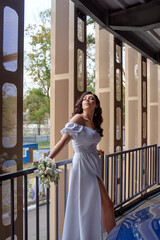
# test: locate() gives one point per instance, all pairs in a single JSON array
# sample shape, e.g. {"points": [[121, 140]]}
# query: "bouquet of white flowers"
{"points": [[47, 172]]}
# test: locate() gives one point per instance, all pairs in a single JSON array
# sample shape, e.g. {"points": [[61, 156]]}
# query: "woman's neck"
{"points": [[88, 116]]}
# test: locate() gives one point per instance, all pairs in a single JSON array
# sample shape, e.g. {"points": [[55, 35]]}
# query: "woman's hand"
{"points": [[100, 152]]}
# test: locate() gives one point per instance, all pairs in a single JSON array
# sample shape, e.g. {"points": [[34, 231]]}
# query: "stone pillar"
{"points": [[133, 103], [152, 92], [133, 107], [105, 88], [105, 85], [62, 91]]}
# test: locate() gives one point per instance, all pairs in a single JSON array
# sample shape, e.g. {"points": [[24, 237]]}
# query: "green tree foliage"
{"points": [[39, 58], [37, 65], [37, 106], [9, 119], [91, 55], [9, 114]]}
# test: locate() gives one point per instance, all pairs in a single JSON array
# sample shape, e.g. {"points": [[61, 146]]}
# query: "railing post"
{"points": [[37, 208], [102, 159], [121, 177], [106, 173], [142, 173], [57, 212], [25, 208], [145, 159], [65, 187], [116, 179], [157, 156], [48, 215], [12, 208]]}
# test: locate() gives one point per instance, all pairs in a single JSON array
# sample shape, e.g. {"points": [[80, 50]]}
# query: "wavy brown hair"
{"points": [[97, 117]]}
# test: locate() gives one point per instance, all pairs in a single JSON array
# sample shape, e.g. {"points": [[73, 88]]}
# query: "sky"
{"points": [[32, 10]]}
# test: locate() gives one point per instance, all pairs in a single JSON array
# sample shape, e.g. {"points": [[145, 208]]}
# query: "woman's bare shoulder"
{"points": [[77, 118]]}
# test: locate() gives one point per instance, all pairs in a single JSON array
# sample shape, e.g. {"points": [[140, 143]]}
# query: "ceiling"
{"points": [[135, 22]]}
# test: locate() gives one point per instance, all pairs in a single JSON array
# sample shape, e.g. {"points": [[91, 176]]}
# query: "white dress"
{"points": [[83, 220]]}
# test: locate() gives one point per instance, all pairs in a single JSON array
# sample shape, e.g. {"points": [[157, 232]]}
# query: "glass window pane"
{"points": [[8, 166], [9, 115], [80, 70], [9, 238], [144, 94], [118, 54], [118, 149], [80, 29], [118, 123], [144, 125], [10, 39], [133, 73], [118, 84], [144, 69]]}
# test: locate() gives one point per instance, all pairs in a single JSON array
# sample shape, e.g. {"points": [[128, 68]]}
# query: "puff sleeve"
{"points": [[72, 129]]}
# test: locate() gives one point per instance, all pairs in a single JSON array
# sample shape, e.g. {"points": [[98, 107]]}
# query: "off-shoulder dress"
{"points": [[83, 220]]}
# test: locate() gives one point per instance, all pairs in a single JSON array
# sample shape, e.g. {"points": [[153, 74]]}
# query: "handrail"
{"points": [[63, 162], [130, 150], [19, 173], [7, 176]]}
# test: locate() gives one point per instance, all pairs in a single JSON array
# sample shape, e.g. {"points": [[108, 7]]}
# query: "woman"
{"points": [[88, 202]]}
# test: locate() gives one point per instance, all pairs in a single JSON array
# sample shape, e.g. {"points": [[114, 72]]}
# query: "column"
{"points": [[105, 85], [152, 90], [61, 92], [133, 107], [133, 103], [105, 89]]}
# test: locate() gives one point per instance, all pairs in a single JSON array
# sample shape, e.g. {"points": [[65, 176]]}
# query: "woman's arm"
{"points": [[60, 145], [65, 138]]}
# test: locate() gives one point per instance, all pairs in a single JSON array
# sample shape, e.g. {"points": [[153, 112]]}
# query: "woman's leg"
{"points": [[108, 217]]}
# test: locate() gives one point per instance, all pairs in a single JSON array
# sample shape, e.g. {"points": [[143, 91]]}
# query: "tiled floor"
{"points": [[146, 203], [150, 201], [32, 228]]}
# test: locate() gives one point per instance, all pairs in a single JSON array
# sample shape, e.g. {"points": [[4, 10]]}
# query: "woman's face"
{"points": [[89, 102]]}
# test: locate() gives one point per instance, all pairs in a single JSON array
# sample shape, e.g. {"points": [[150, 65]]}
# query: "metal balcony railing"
{"points": [[129, 176], [25, 173]]}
